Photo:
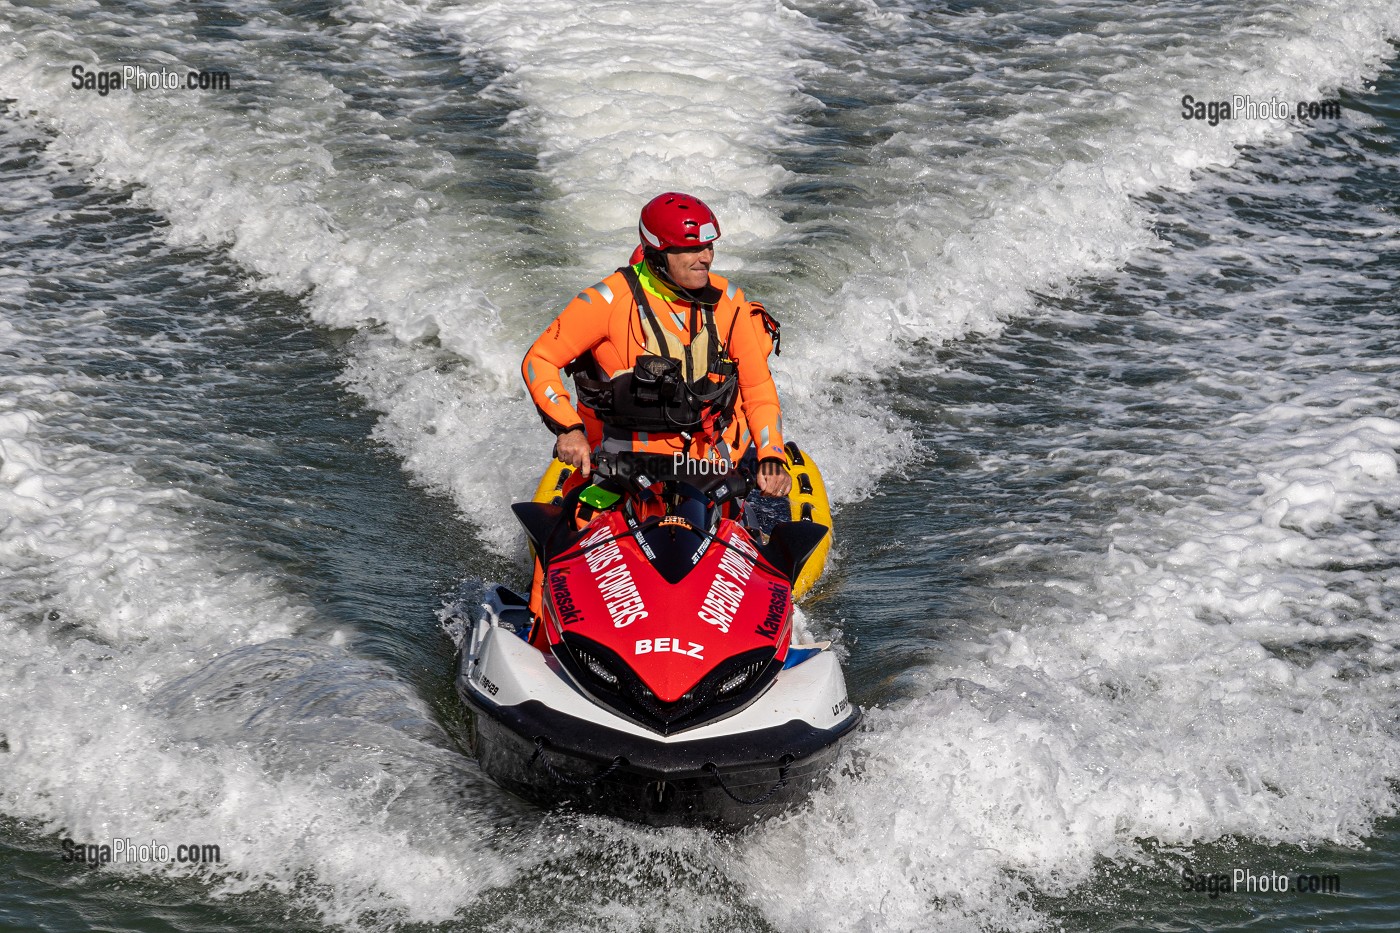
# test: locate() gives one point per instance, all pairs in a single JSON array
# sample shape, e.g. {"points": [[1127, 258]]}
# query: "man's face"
{"points": [[689, 267]]}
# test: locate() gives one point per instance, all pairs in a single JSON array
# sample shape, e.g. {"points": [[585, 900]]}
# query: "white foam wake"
{"points": [[949, 242], [156, 687], [1206, 645]]}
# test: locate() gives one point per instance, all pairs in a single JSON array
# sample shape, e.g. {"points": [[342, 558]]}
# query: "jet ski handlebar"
{"points": [[716, 481]]}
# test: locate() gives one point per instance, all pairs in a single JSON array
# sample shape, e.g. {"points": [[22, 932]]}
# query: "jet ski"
{"points": [[663, 684]]}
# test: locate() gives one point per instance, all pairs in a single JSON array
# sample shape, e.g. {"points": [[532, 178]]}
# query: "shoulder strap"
{"points": [[717, 351], [640, 296]]}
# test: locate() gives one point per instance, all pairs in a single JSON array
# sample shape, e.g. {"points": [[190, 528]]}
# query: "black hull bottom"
{"points": [[555, 760]]}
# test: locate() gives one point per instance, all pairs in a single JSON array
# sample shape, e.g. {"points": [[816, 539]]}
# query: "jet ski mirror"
{"points": [[791, 544], [545, 525]]}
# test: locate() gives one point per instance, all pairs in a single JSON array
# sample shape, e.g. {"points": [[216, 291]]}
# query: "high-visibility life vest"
{"points": [[690, 391]]}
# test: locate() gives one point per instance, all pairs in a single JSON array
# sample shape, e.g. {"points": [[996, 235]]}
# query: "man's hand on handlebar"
{"points": [[572, 447], [773, 479]]}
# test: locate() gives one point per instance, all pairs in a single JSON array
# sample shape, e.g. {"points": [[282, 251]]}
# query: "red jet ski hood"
{"points": [[657, 619]]}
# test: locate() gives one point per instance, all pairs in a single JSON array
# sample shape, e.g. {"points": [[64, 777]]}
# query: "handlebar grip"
{"points": [[736, 485]]}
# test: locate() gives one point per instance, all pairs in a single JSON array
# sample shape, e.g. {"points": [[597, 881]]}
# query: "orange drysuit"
{"points": [[604, 321]]}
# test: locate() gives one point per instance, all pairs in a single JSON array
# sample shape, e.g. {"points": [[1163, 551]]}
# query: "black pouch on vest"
{"points": [[656, 379]]}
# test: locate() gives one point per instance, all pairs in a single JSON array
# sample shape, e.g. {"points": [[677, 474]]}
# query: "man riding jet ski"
{"points": [[665, 325], [652, 673]]}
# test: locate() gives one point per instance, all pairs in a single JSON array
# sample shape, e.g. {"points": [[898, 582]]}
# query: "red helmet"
{"points": [[675, 219]]}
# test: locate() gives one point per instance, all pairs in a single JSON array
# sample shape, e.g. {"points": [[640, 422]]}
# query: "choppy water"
{"points": [[1108, 400]]}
